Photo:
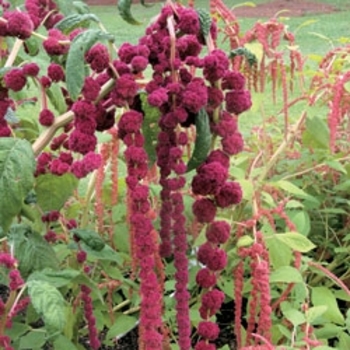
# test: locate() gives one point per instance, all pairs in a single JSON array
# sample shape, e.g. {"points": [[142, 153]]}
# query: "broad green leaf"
{"points": [[205, 21], [286, 274], [57, 279], [62, 342], [73, 21], [31, 250], [55, 96], [322, 296], [294, 316], [344, 341], [53, 191], [66, 7], [313, 313], [124, 8], [203, 141], [280, 253], [123, 324], [33, 340], [49, 303], [316, 133], [327, 331], [75, 66], [17, 330], [301, 220], [107, 253], [17, 166], [150, 128], [90, 238], [296, 241]]}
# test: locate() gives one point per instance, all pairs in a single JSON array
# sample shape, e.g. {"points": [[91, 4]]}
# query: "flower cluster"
{"points": [[129, 127], [39, 10], [90, 318]]}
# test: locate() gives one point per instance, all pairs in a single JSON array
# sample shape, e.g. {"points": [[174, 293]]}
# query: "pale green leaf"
{"points": [[313, 313], [73, 21], [57, 279], [322, 296], [286, 274], [296, 241]]}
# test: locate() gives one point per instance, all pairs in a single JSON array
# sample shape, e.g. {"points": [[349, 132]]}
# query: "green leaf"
{"points": [[296, 241], [49, 303], [57, 279], [301, 219], [317, 133], [55, 96], [31, 250], [90, 238], [17, 330], [286, 274], [322, 296], [150, 128], [33, 340], [53, 191], [17, 166], [344, 341], [123, 324], [313, 313], [73, 21], [203, 141], [62, 342], [294, 316], [124, 8], [107, 253], [32, 46], [75, 65], [205, 21]]}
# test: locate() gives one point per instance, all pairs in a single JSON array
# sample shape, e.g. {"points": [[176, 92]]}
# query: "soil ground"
{"points": [[268, 9]]}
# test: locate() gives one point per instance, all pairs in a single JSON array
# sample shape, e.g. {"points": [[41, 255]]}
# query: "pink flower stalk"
{"points": [[142, 229], [90, 318]]}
